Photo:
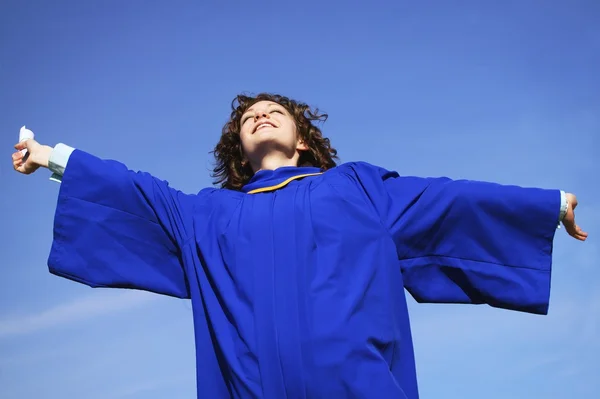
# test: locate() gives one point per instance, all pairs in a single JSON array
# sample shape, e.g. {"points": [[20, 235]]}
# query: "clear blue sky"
{"points": [[505, 91]]}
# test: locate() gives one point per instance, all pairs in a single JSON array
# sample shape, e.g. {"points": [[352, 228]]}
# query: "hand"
{"points": [[569, 220], [37, 155]]}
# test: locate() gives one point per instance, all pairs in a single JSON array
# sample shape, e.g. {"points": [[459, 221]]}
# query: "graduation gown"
{"points": [[297, 281]]}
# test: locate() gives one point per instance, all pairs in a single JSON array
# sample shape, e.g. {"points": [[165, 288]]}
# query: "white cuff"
{"points": [[564, 206], [59, 158]]}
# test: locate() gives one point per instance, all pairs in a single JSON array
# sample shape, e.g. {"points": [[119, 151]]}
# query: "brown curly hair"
{"points": [[232, 171]]}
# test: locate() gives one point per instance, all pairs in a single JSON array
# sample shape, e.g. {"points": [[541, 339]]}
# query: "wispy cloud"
{"points": [[78, 310], [562, 344], [141, 388], [568, 316]]}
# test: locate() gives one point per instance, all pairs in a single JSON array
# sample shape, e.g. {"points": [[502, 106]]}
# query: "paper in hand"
{"points": [[25, 134]]}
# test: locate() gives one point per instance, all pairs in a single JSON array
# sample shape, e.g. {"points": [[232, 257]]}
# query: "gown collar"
{"points": [[271, 180]]}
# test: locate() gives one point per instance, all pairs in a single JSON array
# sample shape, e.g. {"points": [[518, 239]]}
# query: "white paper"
{"points": [[25, 134]]}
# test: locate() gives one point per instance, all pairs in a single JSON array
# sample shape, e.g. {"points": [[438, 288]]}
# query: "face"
{"points": [[268, 129]]}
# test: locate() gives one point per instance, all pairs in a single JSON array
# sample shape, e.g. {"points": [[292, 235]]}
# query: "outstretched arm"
{"points": [[462, 241], [114, 227]]}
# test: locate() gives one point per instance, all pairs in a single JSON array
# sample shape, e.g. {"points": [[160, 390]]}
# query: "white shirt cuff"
{"points": [[564, 206], [59, 157]]}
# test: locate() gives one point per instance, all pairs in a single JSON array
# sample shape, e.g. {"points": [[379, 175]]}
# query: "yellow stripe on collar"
{"points": [[282, 184]]}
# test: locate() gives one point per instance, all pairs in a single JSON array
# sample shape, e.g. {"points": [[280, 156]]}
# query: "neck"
{"points": [[275, 161]]}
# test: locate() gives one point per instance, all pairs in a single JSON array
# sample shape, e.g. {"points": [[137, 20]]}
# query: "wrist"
{"points": [[41, 156]]}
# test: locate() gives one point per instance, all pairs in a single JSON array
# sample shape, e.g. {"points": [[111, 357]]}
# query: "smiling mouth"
{"points": [[264, 125]]}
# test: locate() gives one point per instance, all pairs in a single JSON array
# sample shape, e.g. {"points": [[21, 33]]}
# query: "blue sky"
{"points": [[500, 91]]}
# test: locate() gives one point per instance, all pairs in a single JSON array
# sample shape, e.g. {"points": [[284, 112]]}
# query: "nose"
{"points": [[259, 115]]}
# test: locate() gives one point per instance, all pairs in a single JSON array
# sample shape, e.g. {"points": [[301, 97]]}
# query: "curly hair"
{"points": [[232, 171]]}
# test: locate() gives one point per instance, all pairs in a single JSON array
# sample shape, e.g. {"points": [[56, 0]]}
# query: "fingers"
{"points": [[580, 234], [21, 145], [20, 162], [17, 156], [17, 159], [576, 232]]}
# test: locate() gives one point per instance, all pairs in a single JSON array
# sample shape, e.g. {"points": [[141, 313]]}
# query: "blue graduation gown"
{"points": [[297, 290]]}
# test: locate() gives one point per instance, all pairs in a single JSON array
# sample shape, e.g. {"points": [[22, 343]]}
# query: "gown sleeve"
{"points": [[461, 241], [117, 228]]}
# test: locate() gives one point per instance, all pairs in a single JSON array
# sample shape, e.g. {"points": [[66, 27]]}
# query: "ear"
{"points": [[301, 146]]}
